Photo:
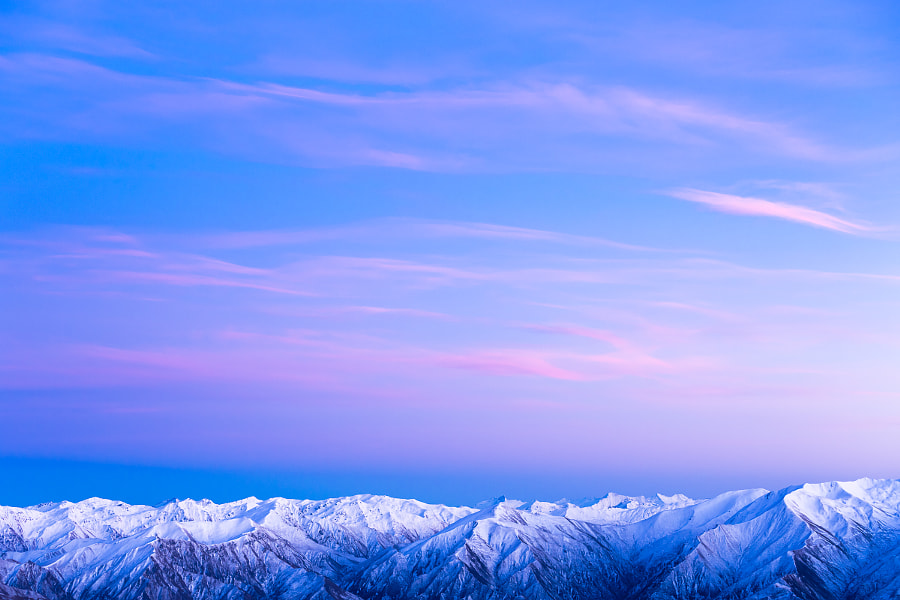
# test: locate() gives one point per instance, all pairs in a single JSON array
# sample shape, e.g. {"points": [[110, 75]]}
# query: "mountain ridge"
{"points": [[830, 540]]}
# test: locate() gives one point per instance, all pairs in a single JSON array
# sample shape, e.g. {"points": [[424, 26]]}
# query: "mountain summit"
{"points": [[829, 541]]}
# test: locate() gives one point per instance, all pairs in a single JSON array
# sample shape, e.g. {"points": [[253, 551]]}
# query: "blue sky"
{"points": [[447, 250]]}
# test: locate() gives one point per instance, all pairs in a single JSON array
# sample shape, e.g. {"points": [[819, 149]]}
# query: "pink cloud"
{"points": [[505, 232], [343, 312], [693, 308], [271, 121], [165, 359], [185, 101], [578, 366], [87, 365], [276, 237], [193, 279], [634, 363], [67, 72], [627, 359], [680, 112], [106, 264], [116, 237], [740, 205], [587, 332], [56, 35], [95, 253], [394, 228], [382, 310], [517, 364], [194, 262], [617, 109], [507, 362], [363, 353], [342, 70], [315, 359], [296, 340], [365, 266], [404, 160], [825, 191]]}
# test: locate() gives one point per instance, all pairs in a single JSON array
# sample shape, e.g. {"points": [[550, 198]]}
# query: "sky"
{"points": [[446, 250]]}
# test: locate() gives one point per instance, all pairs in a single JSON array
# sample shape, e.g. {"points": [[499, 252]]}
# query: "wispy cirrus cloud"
{"points": [[505, 232], [189, 280], [88, 257], [427, 308], [751, 52], [617, 110], [570, 313], [758, 207], [55, 35], [101, 260], [532, 326], [331, 69], [379, 230], [510, 364], [454, 129], [626, 358], [347, 311]]}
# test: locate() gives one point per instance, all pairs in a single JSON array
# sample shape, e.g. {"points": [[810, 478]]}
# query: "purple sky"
{"points": [[448, 250]]}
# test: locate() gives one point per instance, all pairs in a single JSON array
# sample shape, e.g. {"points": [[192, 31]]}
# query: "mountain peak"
{"points": [[751, 543]]}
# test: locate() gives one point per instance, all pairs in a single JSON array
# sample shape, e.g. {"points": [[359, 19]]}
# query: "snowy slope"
{"points": [[832, 540]]}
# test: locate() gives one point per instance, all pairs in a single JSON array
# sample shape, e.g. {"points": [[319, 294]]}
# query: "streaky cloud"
{"points": [[758, 207], [394, 228], [279, 123]]}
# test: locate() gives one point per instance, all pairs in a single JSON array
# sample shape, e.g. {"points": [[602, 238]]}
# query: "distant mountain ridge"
{"points": [[829, 541]]}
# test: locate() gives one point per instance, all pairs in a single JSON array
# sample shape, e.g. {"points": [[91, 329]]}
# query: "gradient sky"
{"points": [[447, 250]]}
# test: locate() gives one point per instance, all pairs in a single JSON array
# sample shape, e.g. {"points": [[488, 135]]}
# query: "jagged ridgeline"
{"points": [[819, 541]]}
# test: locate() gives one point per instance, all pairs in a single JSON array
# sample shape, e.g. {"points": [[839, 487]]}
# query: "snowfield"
{"points": [[836, 540]]}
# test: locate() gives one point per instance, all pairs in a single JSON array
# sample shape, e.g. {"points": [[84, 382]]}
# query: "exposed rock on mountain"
{"points": [[825, 541]]}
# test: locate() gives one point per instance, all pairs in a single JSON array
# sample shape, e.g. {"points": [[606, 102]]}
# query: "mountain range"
{"points": [[828, 541]]}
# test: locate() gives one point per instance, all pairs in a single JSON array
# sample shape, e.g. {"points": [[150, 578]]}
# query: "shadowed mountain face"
{"points": [[824, 541]]}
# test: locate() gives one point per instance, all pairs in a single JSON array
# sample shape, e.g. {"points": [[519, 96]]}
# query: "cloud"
{"points": [[610, 110], [499, 125], [751, 53], [58, 36], [509, 364], [628, 358], [475, 322], [190, 280], [581, 331], [96, 259], [505, 232], [825, 191], [356, 72], [757, 207], [384, 310], [379, 230]]}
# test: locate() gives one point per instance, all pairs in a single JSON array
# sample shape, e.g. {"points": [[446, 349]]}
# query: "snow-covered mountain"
{"points": [[837, 540]]}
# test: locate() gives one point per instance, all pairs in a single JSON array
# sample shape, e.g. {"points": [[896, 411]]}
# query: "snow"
{"points": [[746, 539]]}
